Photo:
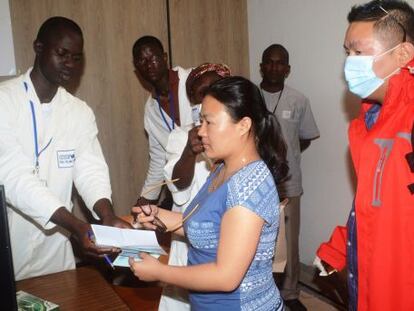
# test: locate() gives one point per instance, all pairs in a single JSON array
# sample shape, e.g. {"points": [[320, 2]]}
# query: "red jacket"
{"points": [[383, 204]]}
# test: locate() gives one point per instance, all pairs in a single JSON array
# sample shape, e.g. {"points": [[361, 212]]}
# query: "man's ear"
{"points": [[405, 53], [37, 47], [245, 124], [287, 72]]}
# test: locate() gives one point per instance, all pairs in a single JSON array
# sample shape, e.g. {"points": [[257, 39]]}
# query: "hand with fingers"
{"points": [[144, 201], [87, 243], [115, 221], [194, 142], [146, 215], [147, 269]]}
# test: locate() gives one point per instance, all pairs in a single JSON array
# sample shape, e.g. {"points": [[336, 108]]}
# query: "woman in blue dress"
{"points": [[232, 223]]}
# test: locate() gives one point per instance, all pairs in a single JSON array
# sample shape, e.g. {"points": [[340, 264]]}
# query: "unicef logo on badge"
{"points": [[66, 158]]}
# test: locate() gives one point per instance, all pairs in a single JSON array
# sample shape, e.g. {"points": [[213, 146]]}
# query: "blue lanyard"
{"points": [[171, 106], [36, 143]]}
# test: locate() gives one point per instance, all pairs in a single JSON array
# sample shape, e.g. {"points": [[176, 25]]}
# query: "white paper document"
{"points": [[131, 241], [123, 257]]}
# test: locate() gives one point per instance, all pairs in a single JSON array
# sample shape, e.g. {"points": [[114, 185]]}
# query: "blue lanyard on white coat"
{"points": [[171, 106], [36, 143]]}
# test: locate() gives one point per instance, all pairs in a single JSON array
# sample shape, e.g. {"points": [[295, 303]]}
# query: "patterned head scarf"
{"points": [[220, 69]]}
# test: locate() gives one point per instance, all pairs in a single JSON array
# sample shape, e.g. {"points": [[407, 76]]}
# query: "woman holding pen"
{"points": [[189, 168], [232, 223]]}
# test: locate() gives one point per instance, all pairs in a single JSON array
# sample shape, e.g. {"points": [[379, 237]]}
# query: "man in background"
{"points": [[293, 111], [48, 141], [166, 108]]}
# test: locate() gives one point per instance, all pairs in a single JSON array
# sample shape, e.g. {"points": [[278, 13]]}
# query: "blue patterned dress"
{"points": [[253, 188]]}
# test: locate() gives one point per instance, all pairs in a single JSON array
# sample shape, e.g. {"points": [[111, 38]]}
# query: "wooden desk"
{"points": [[80, 289]]}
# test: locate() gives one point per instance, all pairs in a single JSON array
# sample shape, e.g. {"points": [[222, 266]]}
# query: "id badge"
{"points": [[66, 158], [36, 173], [286, 114], [195, 114]]}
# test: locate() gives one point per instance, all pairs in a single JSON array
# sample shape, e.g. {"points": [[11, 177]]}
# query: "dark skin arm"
{"points": [[103, 208], [184, 168], [80, 229], [144, 201]]}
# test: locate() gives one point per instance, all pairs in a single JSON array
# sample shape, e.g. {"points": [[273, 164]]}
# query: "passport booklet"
{"points": [[130, 241]]}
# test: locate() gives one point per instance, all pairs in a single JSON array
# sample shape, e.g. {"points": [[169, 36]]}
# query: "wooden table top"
{"points": [[80, 289]]}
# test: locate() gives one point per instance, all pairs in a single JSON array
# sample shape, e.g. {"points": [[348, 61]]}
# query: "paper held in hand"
{"points": [[130, 241]]}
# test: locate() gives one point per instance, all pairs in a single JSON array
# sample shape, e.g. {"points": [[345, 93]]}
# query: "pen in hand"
{"points": [[105, 256], [158, 223], [108, 260], [148, 190]]}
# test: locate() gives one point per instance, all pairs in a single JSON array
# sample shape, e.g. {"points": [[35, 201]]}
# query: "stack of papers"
{"points": [[130, 241]]}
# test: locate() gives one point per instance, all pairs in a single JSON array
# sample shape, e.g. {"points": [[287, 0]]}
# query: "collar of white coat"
{"points": [[31, 92], [183, 102]]}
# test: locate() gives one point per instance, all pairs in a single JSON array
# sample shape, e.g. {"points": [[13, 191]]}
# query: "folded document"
{"points": [[130, 241]]}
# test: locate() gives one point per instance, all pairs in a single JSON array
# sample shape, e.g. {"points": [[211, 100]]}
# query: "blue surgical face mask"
{"points": [[360, 76]]}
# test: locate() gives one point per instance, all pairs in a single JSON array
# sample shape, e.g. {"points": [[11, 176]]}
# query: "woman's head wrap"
{"points": [[220, 69]]}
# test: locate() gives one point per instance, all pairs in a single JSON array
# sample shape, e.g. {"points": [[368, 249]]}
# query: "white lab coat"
{"points": [[73, 156], [158, 133], [174, 298]]}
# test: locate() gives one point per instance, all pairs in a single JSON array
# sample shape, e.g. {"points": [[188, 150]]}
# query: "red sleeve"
{"points": [[334, 251]]}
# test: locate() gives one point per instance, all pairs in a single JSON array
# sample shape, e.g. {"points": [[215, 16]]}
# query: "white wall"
{"points": [[7, 60], [313, 33]]}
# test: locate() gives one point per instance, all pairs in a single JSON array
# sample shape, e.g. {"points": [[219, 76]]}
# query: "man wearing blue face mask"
{"points": [[378, 241], [360, 75]]}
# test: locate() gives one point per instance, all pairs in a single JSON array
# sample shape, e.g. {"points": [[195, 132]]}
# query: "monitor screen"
{"points": [[7, 282]]}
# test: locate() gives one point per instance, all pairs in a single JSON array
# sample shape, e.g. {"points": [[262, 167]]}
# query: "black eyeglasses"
{"points": [[161, 227]]}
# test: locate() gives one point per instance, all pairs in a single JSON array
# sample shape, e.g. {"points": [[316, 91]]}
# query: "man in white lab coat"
{"points": [[48, 141], [167, 107]]}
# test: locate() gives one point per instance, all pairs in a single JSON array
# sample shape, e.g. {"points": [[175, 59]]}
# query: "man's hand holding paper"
{"points": [[130, 241]]}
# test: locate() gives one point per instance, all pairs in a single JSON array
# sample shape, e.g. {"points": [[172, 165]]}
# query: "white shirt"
{"points": [[295, 117], [173, 298], [158, 133], [74, 155], [175, 147]]}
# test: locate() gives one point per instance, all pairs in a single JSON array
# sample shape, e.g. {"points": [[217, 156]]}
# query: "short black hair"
{"points": [[393, 19], [53, 26], [146, 40], [278, 47]]}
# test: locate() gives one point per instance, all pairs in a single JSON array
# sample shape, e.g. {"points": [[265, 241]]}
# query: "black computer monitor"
{"points": [[7, 281]]}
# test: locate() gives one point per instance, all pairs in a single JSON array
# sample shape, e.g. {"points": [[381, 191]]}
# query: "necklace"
{"points": [[217, 180], [220, 178], [172, 111], [278, 100]]}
